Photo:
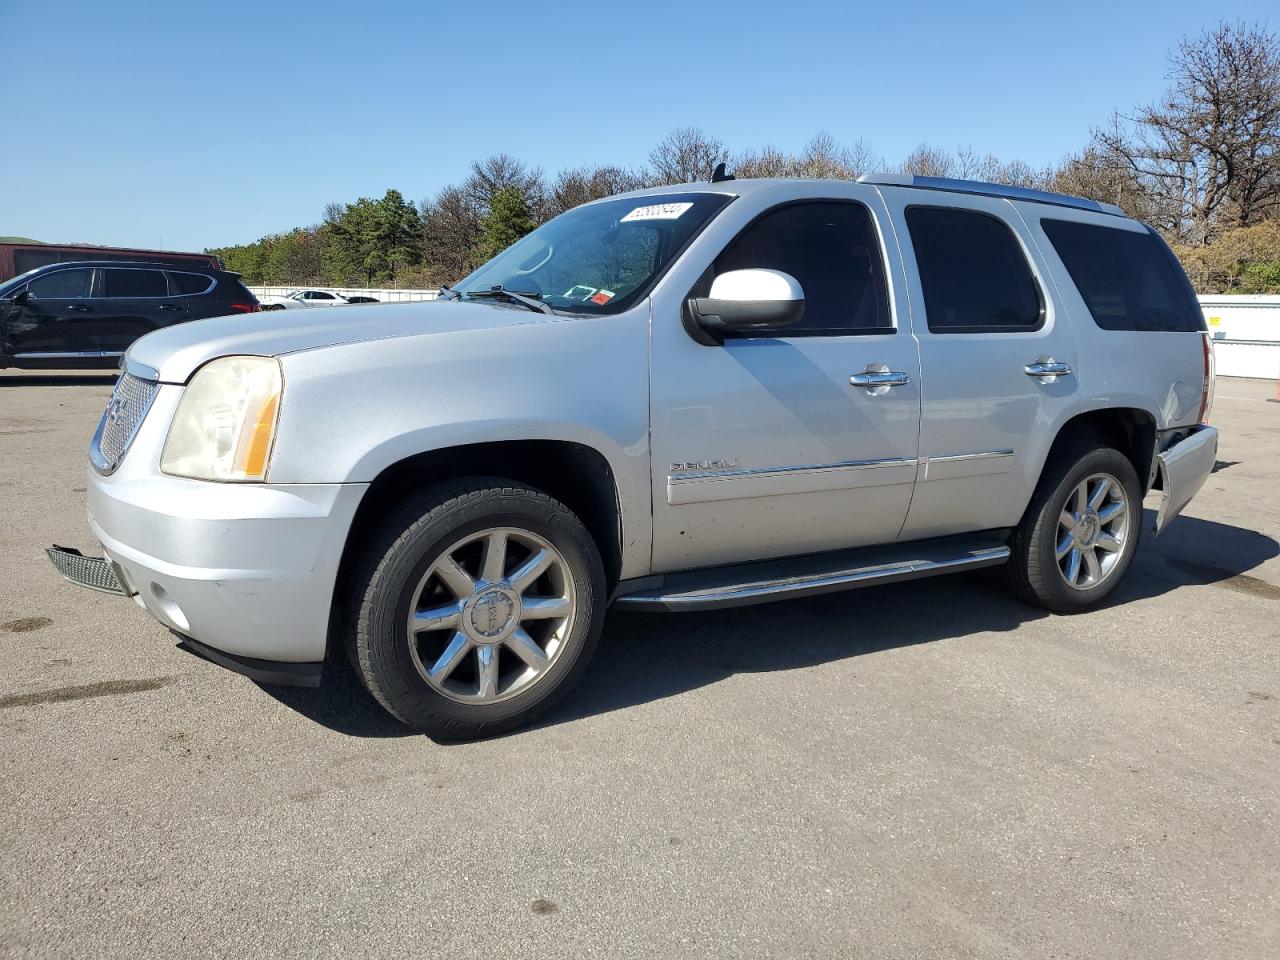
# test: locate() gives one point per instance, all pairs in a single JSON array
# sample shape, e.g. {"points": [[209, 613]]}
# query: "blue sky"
{"points": [[204, 124]]}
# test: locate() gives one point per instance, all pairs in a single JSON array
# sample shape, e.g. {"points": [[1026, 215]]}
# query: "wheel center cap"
{"points": [[1088, 529], [492, 615]]}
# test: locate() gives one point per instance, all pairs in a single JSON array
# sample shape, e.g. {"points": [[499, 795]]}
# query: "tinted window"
{"points": [[62, 285], [974, 274], [1128, 280], [831, 248], [189, 283], [134, 283]]}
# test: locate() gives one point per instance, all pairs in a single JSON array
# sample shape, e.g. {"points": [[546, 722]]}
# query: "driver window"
{"points": [[832, 249], [62, 285]]}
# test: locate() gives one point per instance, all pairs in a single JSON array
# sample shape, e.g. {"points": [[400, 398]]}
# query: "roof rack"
{"points": [[989, 190]]}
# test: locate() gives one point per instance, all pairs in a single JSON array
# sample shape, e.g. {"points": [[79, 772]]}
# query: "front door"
{"points": [[991, 338], [762, 447], [57, 319]]}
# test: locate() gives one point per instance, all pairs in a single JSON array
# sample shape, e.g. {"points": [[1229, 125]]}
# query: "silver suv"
{"points": [[677, 399]]}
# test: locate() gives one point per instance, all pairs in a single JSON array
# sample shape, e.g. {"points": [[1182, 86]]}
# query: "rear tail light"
{"points": [[1206, 392], [245, 307]]}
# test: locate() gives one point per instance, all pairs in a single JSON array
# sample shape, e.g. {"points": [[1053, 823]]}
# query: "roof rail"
{"points": [[989, 190]]}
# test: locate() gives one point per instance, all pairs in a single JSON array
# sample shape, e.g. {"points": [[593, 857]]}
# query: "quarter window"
{"points": [[1128, 279], [189, 284], [973, 271], [832, 250], [118, 284], [61, 285]]}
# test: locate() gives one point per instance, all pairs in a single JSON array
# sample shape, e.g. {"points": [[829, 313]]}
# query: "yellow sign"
{"points": [[1215, 321]]}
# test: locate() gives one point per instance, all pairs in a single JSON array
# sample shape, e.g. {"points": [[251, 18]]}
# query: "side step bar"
{"points": [[747, 583]]}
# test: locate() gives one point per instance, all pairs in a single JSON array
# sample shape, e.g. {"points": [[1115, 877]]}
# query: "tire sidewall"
{"points": [[382, 638], [1044, 541]]}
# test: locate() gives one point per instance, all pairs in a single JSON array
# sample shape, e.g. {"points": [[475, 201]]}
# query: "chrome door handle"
{"points": [[889, 378], [877, 379], [1047, 369]]}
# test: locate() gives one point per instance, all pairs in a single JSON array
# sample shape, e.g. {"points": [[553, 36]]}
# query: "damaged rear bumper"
{"points": [[1183, 468]]}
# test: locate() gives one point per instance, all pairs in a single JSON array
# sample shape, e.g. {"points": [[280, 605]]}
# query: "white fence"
{"points": [[383, 296], [1246, 334]]}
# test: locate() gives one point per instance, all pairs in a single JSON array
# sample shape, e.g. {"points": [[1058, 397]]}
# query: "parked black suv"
{"points": [[75, 315]]}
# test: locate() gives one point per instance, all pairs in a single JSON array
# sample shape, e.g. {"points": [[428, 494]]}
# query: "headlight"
{"points": [[226, 421]]}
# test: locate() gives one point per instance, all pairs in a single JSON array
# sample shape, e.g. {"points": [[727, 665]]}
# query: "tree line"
{"points": [[1201, 165]]}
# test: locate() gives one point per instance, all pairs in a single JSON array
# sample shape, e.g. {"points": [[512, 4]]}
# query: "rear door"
{"points": [[57, 320], [131, 302], [997, 355], [198, 296]]}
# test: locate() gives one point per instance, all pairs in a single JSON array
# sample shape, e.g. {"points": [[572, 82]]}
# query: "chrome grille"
{"points": [[125, 412], [97, 573]]}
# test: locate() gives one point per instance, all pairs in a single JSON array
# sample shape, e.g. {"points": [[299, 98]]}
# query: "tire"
{"points": [[1038, 570], [508, 594]]}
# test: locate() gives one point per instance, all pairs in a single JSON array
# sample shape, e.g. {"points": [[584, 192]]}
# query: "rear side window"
{"points": [[61, 285], [191, 283], [133, 283], [832, 250], [975, 276], [1128, 279]]}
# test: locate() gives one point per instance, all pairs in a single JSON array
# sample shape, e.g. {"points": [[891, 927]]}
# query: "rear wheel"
{"points": [[480, 607], [1080, 531]]}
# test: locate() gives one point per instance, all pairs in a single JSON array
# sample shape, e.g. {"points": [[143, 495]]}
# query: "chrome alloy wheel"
{"points": [[491, 615], [1092, 530]]}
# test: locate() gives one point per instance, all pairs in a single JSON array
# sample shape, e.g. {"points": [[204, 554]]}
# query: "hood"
{"points": [[177, 351]]}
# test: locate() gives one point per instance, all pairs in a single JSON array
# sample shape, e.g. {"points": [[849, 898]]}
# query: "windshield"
{"points": [[601, 257]]}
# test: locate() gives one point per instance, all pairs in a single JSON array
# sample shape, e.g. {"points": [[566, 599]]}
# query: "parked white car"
{"points": [[303, 298]]}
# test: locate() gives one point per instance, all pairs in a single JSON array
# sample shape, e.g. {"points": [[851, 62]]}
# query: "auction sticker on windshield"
{"points": [[657, 211]]}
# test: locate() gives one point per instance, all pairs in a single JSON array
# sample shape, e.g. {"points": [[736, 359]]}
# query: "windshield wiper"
{"points": [[447, 293], [524, 299]]}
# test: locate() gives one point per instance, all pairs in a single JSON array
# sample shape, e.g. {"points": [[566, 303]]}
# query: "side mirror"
{"points": [[746, 301], [22, 297]]}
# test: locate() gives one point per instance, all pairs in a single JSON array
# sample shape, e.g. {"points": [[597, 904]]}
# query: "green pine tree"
{"points": [[509, 218]]}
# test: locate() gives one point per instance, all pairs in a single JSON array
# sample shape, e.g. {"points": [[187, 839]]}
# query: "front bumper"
{"points": [[244, 572], [245, 569], [1184, 466]]}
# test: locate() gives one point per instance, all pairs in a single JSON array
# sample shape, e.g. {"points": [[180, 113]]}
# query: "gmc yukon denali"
{"points": [[685, 398]]}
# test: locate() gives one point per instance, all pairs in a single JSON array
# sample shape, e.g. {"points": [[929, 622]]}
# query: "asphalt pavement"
{"points": [[928, 769]]}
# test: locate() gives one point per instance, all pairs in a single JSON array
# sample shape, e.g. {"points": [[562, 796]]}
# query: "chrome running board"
{"points": [[764, 581]]}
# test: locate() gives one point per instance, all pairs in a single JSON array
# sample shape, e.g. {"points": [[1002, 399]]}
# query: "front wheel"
{"points": [[480, 607], [1080, 531]]}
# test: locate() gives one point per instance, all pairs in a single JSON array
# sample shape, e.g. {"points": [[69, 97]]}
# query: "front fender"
{"points": [[352, 410]]}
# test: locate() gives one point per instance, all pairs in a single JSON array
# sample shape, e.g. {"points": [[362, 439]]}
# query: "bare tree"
{"points": [[823, 158], [503, 170], [686, 155], [826, 159], [581, 185], [1207, 152], [768, 162], [929, 161], [450, 234]]}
